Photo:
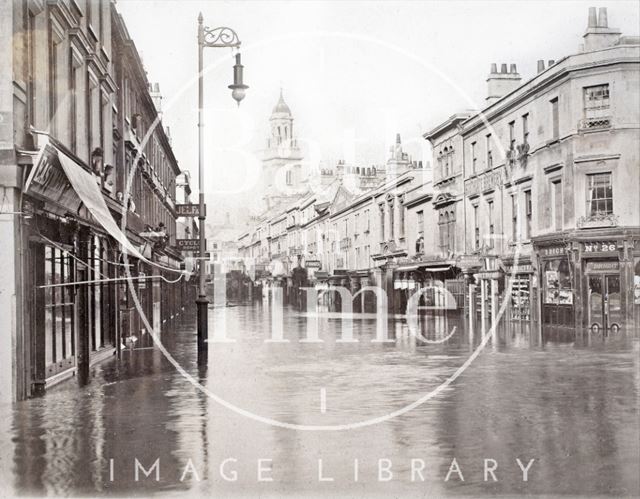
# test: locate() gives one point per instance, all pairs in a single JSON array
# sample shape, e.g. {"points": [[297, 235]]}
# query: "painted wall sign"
{"points": [[484, 182], [188, 244], [189, 210], [603, 266], [519, 269], [600, 247], [554, 250]]}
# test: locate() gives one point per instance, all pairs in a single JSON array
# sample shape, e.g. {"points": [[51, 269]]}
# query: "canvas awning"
{"points": [[407, 268], [437, 269], [58, 176]]}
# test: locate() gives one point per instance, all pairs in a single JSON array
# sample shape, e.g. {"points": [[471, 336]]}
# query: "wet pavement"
{"points": [[571, 404]]}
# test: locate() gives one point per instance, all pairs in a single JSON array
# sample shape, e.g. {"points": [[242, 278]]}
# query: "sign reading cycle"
{"points": [[188, 244]]}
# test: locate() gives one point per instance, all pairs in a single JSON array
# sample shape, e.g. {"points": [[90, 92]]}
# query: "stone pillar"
{"points": [[471, 306]]}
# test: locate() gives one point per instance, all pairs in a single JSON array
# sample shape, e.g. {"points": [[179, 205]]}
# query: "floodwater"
{"points": [[570, 404]]}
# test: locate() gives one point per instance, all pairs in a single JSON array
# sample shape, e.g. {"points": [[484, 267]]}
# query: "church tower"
{"points": [[281, 164]]}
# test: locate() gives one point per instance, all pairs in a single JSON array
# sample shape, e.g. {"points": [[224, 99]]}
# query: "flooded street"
{"points": [[571, 405]]}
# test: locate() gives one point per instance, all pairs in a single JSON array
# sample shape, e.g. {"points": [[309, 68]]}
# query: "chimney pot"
{"points": [[602, 18], [592, 18], [503, 68], [551, 63], [513, 69], [540, 66], [494, 68]]}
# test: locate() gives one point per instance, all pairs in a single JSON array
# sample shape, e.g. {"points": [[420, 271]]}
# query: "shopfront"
{"points": [[558, 292], [604, 298], [520, 283], [607, 284]]}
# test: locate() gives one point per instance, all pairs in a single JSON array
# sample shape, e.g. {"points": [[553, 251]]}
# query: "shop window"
{"points": [[557, 282], [58, 313], [599, 194], [520, 297]]}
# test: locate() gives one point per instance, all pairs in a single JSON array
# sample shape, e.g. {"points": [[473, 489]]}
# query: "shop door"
{"points": [[605, 310]]}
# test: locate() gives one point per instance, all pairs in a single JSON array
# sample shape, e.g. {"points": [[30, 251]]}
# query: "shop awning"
{"points": [[437, 269], [47, 178], [407, 268]]}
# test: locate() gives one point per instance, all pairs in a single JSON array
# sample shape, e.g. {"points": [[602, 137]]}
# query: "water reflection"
{"points": [[569, 403]]}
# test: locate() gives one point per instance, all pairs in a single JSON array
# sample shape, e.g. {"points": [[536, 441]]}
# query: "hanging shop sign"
{"points": [[188, 244], [313, 264], [189, 210], [600, 247], [49, 180]]}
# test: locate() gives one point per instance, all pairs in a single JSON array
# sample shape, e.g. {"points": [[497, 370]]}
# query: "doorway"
{"points": [[605, 306]]}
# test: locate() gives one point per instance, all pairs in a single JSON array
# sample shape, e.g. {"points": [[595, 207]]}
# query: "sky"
{"points": [[354, 73]]}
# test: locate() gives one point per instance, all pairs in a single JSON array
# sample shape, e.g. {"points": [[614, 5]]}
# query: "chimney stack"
{"points": [[502, 83], [599, 35], [602, 18], [593, 22], [551, 63], [540, 65]]}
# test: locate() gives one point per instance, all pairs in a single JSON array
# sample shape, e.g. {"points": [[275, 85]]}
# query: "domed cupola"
{"points": [[281, 109]]}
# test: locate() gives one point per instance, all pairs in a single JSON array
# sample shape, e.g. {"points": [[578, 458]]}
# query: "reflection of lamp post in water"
{"points": [[221, 37]]}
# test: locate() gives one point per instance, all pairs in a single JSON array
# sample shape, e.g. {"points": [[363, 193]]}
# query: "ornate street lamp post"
{"points": [[221, 37]]}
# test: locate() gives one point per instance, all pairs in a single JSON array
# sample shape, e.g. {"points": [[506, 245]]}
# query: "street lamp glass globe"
{"points": [[238, 94]]}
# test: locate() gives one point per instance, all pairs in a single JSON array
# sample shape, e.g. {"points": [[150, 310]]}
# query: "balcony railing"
{"points": [[601, 123]]}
